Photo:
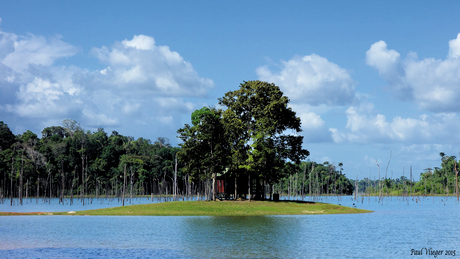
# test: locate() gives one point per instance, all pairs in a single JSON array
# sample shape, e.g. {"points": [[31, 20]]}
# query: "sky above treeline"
{"points": [[370, 80]]}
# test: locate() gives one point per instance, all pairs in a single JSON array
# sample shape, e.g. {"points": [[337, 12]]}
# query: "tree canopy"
{"points": [[255, 135]]}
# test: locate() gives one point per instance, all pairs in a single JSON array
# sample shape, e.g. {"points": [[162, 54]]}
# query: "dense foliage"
{"points": [[438, 181], [250, 138], [69, 161], [254, 136]]}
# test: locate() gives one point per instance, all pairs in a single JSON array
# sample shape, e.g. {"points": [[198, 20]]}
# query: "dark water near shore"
{"points": [[395, 228]]}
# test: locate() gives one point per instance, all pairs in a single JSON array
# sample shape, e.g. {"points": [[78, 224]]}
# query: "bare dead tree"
{"points": [[11, 181], [456, 178]]}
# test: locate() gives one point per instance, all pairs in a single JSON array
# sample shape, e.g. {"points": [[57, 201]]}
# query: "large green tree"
{"points": [[268, 129], [205, 145]]}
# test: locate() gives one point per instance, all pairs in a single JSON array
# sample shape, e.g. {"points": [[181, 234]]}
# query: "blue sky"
{"points": [[369, 79]]}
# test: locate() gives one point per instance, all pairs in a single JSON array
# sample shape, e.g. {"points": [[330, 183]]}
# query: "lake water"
{"points": [[395, 228]]}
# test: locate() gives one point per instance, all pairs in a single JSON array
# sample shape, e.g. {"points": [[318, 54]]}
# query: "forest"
{"points": [[247, 139], [254, 136], [440, 181], [68, 162]]}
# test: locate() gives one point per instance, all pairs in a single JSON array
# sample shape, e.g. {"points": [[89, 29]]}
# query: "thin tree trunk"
{"points": [[410, 180], [12, 170], [71, 187], [175, 179], [236, 188], [62, 182], [295, 185], [249, 186], [86, 176], [131, 184], [20, 177], [82, 174], [425, 185], [38, 189], [303, 182], [124, 186], [456, 179], [309, 179]]}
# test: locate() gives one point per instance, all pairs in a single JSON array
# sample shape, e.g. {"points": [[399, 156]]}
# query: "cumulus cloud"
{"points": [[142, 84], [140, 65], [314, 128], [312, 79], [41, 98], [36, 50], [433, 84], [364, 126]]}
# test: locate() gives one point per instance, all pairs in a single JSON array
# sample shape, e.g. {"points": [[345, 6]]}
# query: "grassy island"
{"points": [[224, 208]]}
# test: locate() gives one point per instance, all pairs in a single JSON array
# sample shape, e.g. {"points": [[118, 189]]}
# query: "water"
{"points": [[395, 228]]}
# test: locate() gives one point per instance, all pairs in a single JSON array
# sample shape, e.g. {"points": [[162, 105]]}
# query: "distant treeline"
{"points": [[434, 181], [68, 161]]}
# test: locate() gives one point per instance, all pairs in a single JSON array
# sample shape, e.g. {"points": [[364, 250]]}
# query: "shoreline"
{"points": [[210, 208]]}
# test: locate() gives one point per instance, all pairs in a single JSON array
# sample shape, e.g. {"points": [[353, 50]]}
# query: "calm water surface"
{"points": [[395, 228]]}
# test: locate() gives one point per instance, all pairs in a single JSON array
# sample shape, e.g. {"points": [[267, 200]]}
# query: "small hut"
{"points": [[225, 187]]}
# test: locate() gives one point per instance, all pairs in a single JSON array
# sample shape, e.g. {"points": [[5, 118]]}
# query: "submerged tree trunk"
{"points": [[11, 182], [309, 179], [175, 179], [131, 183], [456, 179], [303, 182], [20, 177], [62, 182], [71, 187], [82, 187], [124, 186], [38, 189]]}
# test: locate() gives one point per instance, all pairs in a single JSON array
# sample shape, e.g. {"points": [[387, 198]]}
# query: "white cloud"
{"points": [[142, 85], [312, 79], [36, 50], [364, 126], [314, 128], [140, 65], [454, 47], [141, 42], [432, 84], [382, 59], [41, 98]]}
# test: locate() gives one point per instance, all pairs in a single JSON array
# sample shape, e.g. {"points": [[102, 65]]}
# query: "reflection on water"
{"points": [[238, 237], [396, 227], [53, 205]]}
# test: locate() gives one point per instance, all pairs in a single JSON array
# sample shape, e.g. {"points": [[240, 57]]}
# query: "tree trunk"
{"points": [[11, 182], [62, 182], [131, 184], [309, 179], [214, 189], [236, 188], [410, 180], [38, 189], [303, 182], [295, 184], [71, 187], [249, 186], [20, 178], [175, 179], [124, 186], [456, 179], [86, 176]]}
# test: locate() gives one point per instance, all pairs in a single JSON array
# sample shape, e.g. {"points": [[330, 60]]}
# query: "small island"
{"points": [[221, 208]]}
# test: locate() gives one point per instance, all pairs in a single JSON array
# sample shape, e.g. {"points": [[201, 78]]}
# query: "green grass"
{"points": [[225, 208]]}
